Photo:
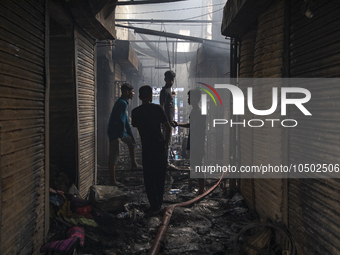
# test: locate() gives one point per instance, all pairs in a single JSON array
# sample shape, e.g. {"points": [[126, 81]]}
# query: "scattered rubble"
{"points": [[207, 227]]}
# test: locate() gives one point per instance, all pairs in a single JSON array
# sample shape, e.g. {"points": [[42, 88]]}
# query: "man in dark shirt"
{"points": [[148, 119], [166, 99], [119, 128]]}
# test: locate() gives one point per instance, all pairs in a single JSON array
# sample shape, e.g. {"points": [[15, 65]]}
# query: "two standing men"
{"points": [[148, 119]]}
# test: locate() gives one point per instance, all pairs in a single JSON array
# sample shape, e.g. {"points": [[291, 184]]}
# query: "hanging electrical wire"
{"points": [[179, 20], [204, 14], [172, 10]]}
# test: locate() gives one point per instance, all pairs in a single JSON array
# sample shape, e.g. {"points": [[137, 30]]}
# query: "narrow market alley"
{"points": [[170, 127]]}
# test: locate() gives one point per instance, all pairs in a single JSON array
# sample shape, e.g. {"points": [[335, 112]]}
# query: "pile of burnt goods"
{"points": [[113, 220], [76, 224]]}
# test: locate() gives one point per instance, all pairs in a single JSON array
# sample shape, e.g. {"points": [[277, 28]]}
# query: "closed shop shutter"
{"points": [[267, 141], [86, 100], [22, 116], [314, 219], [246, 133]]}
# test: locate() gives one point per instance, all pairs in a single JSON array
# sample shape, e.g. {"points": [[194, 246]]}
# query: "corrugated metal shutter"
{"points": [[22, 116], [246, 133], [86, 100], [267, 141], [314, 219]]}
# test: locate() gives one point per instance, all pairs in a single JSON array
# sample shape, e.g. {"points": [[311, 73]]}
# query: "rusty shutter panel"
{"points": [[267, 141], [314, 203], [246, 133], [85, 88], [22, 116]]}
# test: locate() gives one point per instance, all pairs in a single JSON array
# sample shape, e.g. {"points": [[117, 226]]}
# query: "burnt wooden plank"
{"points": [[16, 93], [20, 114], [85, 80], [12, 125], [7, 69], [15, 84], [35, 9], [21, 63], [12, 103], [88, 86], [8, 159], [88, 131], [38, 5], [86, 53], [23, 184], [17, 40], [86, 91], [87, 107], [17, 206], [86, 58], [22, 33], [89, 177], [10, 181], [84, 40], [30, 226], [86, 98], [22, 134], [82, 67], [21, 53], [23, 144], [21, 13]]}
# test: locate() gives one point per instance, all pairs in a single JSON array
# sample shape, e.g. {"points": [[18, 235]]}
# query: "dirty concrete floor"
{"points": [[206, 227]]}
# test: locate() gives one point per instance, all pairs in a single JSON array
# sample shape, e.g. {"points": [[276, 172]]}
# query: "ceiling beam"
{"points": [[170, 35]]}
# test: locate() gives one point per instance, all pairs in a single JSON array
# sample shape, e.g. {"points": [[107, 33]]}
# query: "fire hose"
{"points": [[167, 216]]}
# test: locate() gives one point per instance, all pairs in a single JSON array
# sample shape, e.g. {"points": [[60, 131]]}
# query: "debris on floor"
{"points": [[114, 219], [107, 198]]}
